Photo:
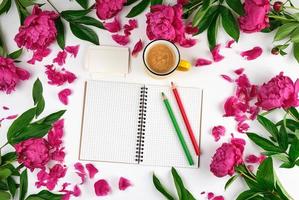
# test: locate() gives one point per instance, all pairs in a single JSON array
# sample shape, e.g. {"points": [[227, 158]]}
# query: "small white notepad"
{"points": [[128, 123]]}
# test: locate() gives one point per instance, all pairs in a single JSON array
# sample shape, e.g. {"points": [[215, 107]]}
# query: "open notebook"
{"points": [[128, 123]]}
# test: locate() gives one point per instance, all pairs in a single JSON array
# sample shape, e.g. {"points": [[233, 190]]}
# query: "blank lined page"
{"points": [[110, 122], [162, 146]]}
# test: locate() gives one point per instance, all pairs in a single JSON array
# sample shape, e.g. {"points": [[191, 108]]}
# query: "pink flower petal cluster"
{"points": [[60, 58], [38, 30], [50, 179], [165, 22], [59, 77], [73, 50], [108, 8], [113, 26], [10, 75], [55, 141], [256, 16], [124, 39], [227, 157], [255, 159], [279, 92], [218, 131], [38, 55], [76, 192]]}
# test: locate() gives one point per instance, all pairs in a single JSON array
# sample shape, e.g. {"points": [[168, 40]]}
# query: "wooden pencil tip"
{"points": [[163, 95], [172, 85]]}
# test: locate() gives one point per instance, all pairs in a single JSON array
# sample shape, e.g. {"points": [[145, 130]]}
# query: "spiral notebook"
{"points": [[128, 123]]}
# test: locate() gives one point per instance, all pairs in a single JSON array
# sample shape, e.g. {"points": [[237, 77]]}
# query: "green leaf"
{"points": [[295, 35], [89, 21], [266, 168], [236, 5], [27, 3], [71, 15], [290, 124], [287, 165], [230, 23], [155, 2], [23, 185], [139, 8], [293, 111], [179, 184], [230, 181], [294, 150], [50, 119], [283, 138], [9, 157], [32, 131], [248, 194], [200, 13], [84, 33], [16, 54], [12, 186], [4, 195], [285, 30], [23, 12], [189, 195], [60, 33], [296, 51], [4, 172], [263, 143], [44, 195], [282, 157], [20, 123], [83, 3], [161, 188], [268, 125], [37, 91], [130, 2], [40, 107], [207, 19], [212, 33], [3, 186], [14, 171], [5, 6]]}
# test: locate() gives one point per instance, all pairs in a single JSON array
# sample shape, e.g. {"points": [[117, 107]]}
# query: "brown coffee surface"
{"points": [[160, 58]]}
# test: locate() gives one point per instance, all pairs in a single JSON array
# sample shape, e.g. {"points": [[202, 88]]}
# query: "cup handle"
{"points": [[184, 65]]}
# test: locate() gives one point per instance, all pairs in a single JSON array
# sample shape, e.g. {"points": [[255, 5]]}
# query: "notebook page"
{"points": [[162, 146], [110, 122]]}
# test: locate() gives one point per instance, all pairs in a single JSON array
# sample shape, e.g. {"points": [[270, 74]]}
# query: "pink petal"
{"points": [[59, 77], [102, 188], [215, 53], [64, 186], [60, 58], [63, 95], [229, 44], [210, 195], [239, 71], [201, 62], [189, 29], [58, 155], [218, 198], [250, 168], [5, 108], [92, 170], [243, 127], [217, 132], [121, 39], [113, 26], [123, 183], [73, 50], [252, 53], [11, 117], [76, 191], [38, 55], [252, 159], [82, 177], [137, 48], [79, 167], [226, 77]]}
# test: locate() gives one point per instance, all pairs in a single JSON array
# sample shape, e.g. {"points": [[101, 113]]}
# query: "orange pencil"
{"points": [[185, 118]]}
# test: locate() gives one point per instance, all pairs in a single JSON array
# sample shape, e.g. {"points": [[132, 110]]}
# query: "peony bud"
{"points": [[278, 6], [275, 51]]}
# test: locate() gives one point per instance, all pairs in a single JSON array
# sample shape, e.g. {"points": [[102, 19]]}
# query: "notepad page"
{"points": [[110, 122], [162, 146]]}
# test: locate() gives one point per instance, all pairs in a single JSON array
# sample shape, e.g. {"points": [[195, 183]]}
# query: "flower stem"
{"points": [[267, 112], [3, 145], [53, 6], [20, 167], [291, 7], [280, 18]]}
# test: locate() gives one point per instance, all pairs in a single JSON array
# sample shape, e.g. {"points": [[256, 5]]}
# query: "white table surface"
{"points": [[208, 77]]}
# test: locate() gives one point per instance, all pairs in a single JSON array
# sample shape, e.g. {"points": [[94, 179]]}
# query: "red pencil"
{"points": [[185, 118]]}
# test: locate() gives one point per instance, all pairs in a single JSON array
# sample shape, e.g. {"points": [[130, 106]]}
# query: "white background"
{"points": [[259, 71]]}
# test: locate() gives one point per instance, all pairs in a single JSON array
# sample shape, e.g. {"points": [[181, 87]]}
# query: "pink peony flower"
{"points": [[108, 8], [113, 26], [102, 188], [92, 170], [279, 92], [50, 179], [60, 58], [217, 132], [252, 53], [256, 16], [38, 30], [73, 50], [123, 183], [33, 153], [63, 96], [215, 53], [137, 48], [227, 157], [201, 62], [165, 22], [57, 77], [10, 75], [121, 39]]}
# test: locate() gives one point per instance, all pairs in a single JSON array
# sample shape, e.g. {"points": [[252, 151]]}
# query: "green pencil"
{"points": [[178, 130]]}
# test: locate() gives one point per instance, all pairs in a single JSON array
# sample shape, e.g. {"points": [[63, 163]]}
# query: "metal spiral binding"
{"points": [[141, 125]]}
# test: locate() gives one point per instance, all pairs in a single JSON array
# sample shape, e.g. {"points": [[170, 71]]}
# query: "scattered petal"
{"points": [[92, 170], [189, 29], [5, 108], [123, 183], [80, 171], [76, 191], [215, 53], [132, 24], [218, 198], [113, 26], [73, 50], [229, 44], [60, 58], [10, 117], [59, 77], [226, 77], [201, 62], [63, 95], [243, 127], [252, 53], [210, 195], [252, 159], [38, 55], [217, 132], [102, 188], [239, 71], [137, 48], [121, 39]]}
